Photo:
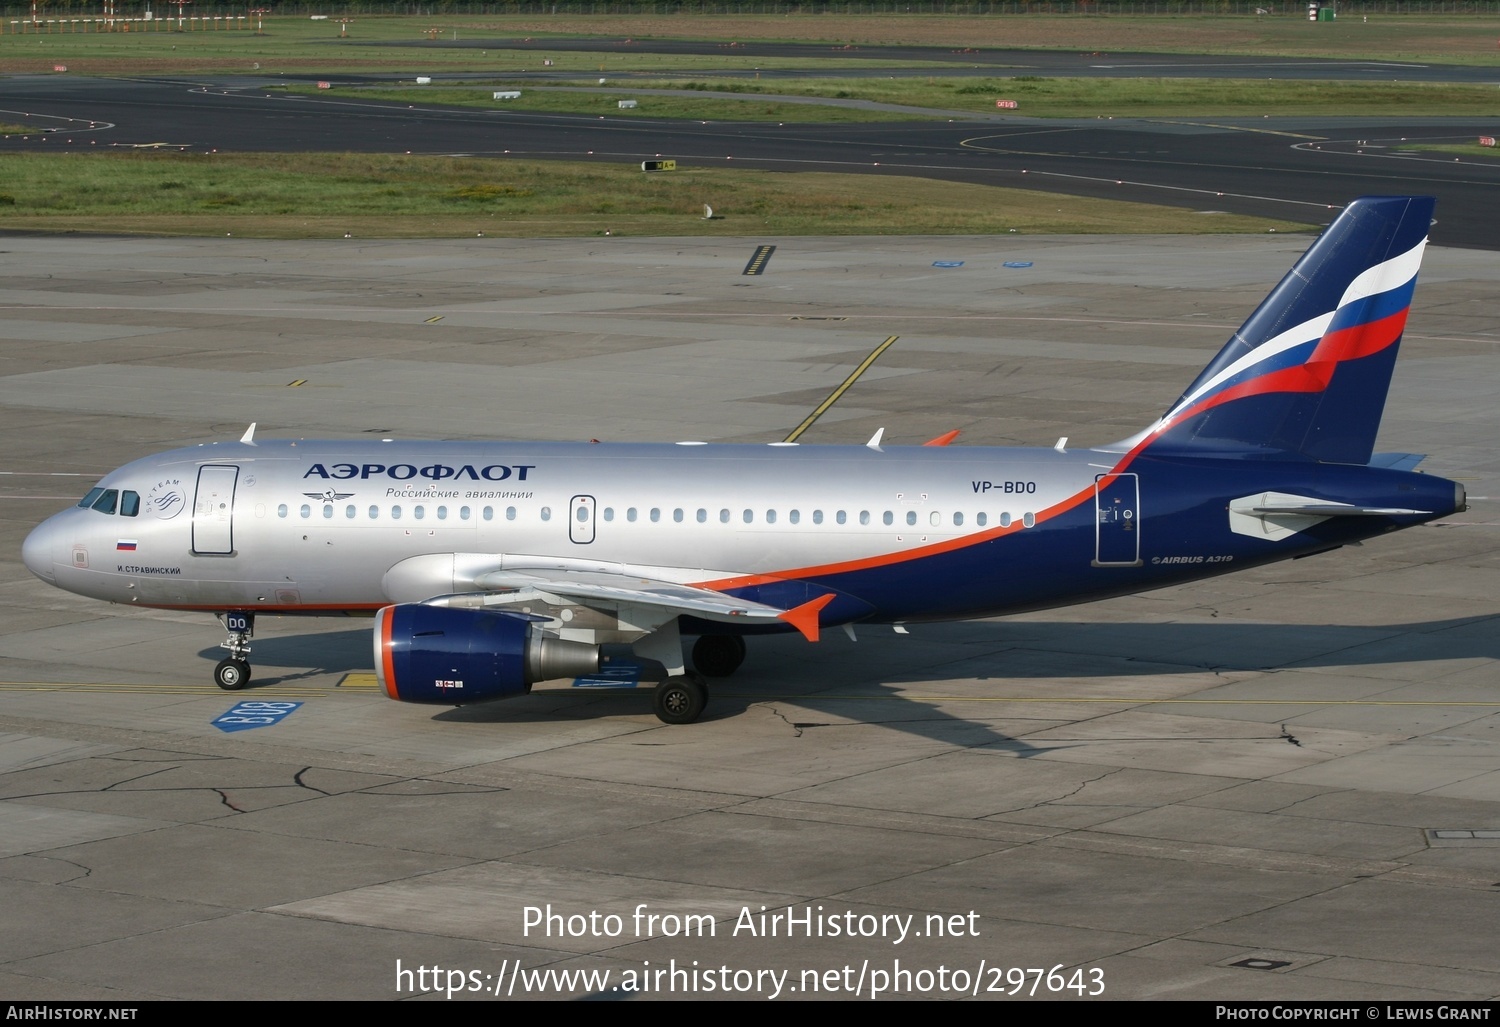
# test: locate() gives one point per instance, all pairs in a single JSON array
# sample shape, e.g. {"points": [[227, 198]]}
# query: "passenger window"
{"points": [[1004, 519], [281, 510], [327, 511], [817, 516], [489, 513], [982, 519], [723, 516], [655, 514], [677, 515], [911, 517], [749, 517], [463, 513], [864, 517], [374, 513], [395, 513], [794, 516], [1028, 520], [130, 504], [887, 518], [419, 511], [510, 513], [106, 503], [842, 517], [770, 516], [306, 511], [702, 516], [630, 515], [958, 520], [546, 513], [609, 513], [582, 514], [442, 513], [349, 511]]}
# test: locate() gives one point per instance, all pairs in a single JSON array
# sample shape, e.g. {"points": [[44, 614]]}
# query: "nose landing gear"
{"points": [[233, 673]]}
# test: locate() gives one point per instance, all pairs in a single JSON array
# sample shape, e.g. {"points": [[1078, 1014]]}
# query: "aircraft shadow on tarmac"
{"points": [[1032, 657]]}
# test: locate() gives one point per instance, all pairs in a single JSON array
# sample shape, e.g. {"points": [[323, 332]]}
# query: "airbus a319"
{"points": [[489, 566]]}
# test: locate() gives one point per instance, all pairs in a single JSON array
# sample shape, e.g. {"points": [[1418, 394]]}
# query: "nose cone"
{"points": [[39, 551]]}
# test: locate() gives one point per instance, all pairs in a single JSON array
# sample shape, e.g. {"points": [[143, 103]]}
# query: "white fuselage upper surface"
{"points": [[287, 525]]}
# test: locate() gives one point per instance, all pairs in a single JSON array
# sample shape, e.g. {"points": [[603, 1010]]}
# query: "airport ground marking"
{"points": [[833, 397], [758, 259]]}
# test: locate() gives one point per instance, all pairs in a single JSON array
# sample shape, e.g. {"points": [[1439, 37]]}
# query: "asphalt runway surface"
{"points": [[1294, 168], [1278, 784]]}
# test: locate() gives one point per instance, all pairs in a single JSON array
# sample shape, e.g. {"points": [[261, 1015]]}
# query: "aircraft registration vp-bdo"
{"points": [[491, 566]]}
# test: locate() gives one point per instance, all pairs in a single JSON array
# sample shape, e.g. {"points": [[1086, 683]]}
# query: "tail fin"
{"points": [[1309, 371]]}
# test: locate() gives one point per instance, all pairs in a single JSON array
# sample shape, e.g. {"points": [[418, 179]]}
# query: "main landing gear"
{"points": [[233, 673], [680, 699]]}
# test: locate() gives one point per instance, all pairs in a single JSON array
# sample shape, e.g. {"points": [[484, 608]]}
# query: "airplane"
{"points": [[491, 566]]}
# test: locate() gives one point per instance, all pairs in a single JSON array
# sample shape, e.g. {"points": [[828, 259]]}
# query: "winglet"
{"points": [[874, 442], [249, 437], [805, 617], [944, 439]]}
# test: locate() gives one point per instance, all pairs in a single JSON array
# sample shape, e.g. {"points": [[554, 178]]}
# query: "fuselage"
{"points": [[895, 533]]}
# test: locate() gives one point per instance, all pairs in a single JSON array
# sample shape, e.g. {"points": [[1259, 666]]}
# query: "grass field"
{"points": [[297, 45], [323, 195], [1037, 97], [330, 195], [605, 101]]}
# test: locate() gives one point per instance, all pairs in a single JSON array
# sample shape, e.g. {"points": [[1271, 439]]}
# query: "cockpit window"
{"points": [[130, 503], [88, 500], [106, 503]]}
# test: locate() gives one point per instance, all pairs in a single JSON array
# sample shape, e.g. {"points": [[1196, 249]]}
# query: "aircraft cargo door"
{"points": [[213, 510], [1117, 528]]}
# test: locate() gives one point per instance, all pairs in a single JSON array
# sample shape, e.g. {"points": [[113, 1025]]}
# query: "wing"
{"points": [[669, 597], [641, 596]]}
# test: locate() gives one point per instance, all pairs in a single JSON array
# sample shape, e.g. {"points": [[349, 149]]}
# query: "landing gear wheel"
{"points": [[680, 700], [718, 656], [232, 675]]}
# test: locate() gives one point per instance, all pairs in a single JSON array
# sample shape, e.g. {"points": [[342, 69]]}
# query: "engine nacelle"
{"points": [[437, 654]]}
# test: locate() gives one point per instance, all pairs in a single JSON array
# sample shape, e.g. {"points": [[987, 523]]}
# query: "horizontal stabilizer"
{"points": [[1334, 510], [1275, 515], [1397, 461]]}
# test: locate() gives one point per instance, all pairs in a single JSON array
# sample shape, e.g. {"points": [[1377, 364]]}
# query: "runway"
{"points": [[1280, 784], [1296, 168]]}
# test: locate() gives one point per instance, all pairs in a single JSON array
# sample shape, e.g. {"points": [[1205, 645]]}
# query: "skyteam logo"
{"points": [[166, 499]]}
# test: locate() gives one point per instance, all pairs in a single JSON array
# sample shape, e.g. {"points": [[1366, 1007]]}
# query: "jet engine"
{"points": [[448, 656]]}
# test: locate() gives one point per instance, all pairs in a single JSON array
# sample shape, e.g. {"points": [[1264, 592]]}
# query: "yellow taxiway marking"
{"points": [[833, 397], [358, 681], [757, 264], [299, 381], [433, 320]]}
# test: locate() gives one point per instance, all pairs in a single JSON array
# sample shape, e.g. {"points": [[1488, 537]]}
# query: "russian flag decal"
{"points": [[126, 545]]}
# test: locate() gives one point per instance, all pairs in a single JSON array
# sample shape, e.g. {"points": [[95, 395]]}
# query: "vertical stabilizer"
{"points": [[1309, 371]]}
